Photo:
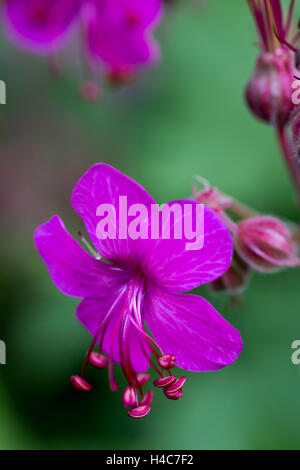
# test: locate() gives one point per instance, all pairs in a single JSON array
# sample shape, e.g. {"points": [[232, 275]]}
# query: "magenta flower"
{"points": [[138, 282], [118, 32]]}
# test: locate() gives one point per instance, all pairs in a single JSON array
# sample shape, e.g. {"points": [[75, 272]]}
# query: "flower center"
{"points": [[131, 321], [38, 13]]}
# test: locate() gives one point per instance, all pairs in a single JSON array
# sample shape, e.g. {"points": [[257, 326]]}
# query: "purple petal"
{"points": [[40, 26], [102, 184], [191, 329], [71, 268], [92, 312], [178, 269], [119, 31]]}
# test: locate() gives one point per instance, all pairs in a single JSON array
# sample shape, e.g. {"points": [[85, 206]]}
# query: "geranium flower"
{"points": [[118, 33], [139, 282]]}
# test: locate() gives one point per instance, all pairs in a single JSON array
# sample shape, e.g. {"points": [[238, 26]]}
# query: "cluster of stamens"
{"points": [[134, 398], [138, 408]]}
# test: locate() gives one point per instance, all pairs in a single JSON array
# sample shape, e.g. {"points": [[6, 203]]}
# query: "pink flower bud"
{"points": [[235, 278], [296, 133], [269, 91], [98, 360], [147, 399], [167, 361], [164, 381], [139, 412], [129, 397], [173, 395], [80, 383], [265, 243]]}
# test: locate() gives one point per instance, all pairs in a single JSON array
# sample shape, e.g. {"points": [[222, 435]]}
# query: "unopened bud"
{"points": [[235, 278], [296, 133], [81, 384], [265, 243], [269, 91]]}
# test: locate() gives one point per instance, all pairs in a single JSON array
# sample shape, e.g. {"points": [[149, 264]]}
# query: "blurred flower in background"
{"points": [[115, 35]]}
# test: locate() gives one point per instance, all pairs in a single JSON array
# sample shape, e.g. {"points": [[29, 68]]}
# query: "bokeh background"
{"points": [[185, 117]]}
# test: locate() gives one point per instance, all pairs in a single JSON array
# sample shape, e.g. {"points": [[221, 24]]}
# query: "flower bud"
{"points": [[129, 397], [269, 91], [81, 384], [265, 243], [235, 279], [296, 133]]}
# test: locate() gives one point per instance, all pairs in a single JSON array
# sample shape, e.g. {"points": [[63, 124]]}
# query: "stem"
{"points": [[289, 17], [241, 210], [290, 158]]}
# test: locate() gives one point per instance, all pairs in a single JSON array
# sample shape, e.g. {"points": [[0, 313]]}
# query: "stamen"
{"points": [[177, 385], [98, 360], [167, 361], [142, 379], [164, 382], [80, 383], [129, 397], [147, 399], [89, 247], [139, 412], [173, 395]]}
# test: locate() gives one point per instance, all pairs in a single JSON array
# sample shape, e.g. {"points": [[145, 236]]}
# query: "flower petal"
{"points": [[191, 329], [71, 268], [91, 314], [178, 269], [40, 26], [102, 184], [118, 31]]}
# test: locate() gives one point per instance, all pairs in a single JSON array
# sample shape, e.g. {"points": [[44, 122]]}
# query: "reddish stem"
{"points": [[290, 158]]}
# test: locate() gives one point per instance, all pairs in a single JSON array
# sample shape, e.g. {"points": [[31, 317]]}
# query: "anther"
{"points": [[98, 360], [81, 384], [177, 385], [164, 381], [142, 379], [129, 397], [147, 398], [167, 361], [173, 395], [139, 412]]}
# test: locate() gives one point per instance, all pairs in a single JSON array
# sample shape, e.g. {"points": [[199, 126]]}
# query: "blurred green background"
{"points": [[185, 117]]}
